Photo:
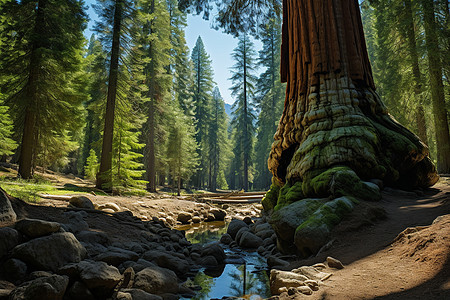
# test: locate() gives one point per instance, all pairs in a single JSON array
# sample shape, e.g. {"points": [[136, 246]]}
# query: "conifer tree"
{"points": [[91, 167], [114, 32], [217, 138], [40, 55], [243, 116], [270, 97], [96, 70], [7, 144], [203, 85], [155, 47]]}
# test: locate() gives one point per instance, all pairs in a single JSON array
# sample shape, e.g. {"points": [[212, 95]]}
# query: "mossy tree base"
{"points": [[331, 142]]}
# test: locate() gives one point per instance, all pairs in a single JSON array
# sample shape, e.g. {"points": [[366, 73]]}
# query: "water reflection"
{"points": [[248, 280]]}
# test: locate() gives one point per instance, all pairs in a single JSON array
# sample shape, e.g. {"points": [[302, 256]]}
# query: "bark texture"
{"points": [[335, 134], [332, 114]]}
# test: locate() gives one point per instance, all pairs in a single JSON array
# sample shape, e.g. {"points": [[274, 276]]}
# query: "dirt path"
{"points": [[377, 269]]}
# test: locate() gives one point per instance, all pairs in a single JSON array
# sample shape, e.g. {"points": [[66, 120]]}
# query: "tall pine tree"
{"points": [[270, 97], [243, 116], [203, 85], [40, 56]]}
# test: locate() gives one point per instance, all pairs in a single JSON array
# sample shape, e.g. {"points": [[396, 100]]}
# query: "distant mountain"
{"points": [[228, 109]]}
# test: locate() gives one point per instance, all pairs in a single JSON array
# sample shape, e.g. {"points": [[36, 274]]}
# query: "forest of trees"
{"points": [[135, 107]]}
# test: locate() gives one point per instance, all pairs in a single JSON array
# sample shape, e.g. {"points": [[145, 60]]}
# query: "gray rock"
{"points": [[94, 249], [247, 220], [208, 261], [99, 278], [250, 240], [9, 238], [48, 288], [138, 265], [215, 250], [115, 256], [51, 252], [93, 237], [273, 261], [267, 242], [36, 228], [265, 233], [240, 233], [156, 280], [79, 291], [226, 239], [14, 269], [234, 227], [7, 214], [81, 202], [137, 294], [168, 260], [219, 214], [76, 222], [262, 227], [334, 263], [184, 217]]}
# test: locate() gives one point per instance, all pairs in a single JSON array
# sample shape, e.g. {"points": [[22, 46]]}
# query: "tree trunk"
{"points": [[151, 171], [335, 133], [414, 60], [437, 89], [246, 134], [28, 146], [104, 176]]}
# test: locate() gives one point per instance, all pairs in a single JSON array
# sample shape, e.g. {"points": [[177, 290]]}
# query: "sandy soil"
{"points": [[416, 266]]}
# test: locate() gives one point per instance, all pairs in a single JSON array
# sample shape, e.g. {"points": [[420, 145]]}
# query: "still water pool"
{"points": [[245, 277]]}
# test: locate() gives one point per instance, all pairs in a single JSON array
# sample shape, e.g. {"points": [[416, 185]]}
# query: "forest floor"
{"points": [[377, 266]]}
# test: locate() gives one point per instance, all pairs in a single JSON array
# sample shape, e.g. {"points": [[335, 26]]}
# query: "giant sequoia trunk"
{"points": [[335, 134]]}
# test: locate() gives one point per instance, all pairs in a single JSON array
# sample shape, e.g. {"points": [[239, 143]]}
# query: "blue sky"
{"points": [[218, 45]]}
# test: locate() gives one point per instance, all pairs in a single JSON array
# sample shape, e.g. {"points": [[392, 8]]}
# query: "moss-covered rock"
{"points": [[270, 199], [312, 234], [286, 220]]}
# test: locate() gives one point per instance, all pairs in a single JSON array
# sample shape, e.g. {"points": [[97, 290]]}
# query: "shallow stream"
{"points": [[245, 277]]}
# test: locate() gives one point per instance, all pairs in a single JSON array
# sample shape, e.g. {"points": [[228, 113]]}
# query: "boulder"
{"points": [[284, 279], [79, 291], [9, 238], [264, 234], [81, 202], [234, 227], [99, 277], [7, 214], [14, 269], [210, 218], [5, 289], [196, 219], [263, 227], [240, 233], [93, 237], [273, 261], [169, 260], [156, 280], [215, 250], [314, 233], [334, 263], [208, 261], [109, 205], [36, 228], [312, 273], [219, 214], [250, 240], [138, 265], [76, 222], [184, 217], [49, 288], [226, 239], [115, 256], [51, 252]]}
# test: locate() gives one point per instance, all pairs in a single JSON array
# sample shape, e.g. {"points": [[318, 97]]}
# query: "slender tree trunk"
{"points": [[246, 135], [28, 145], [104, 176], [414, 60], [151, 164], [151, 155], [437, 88]]}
